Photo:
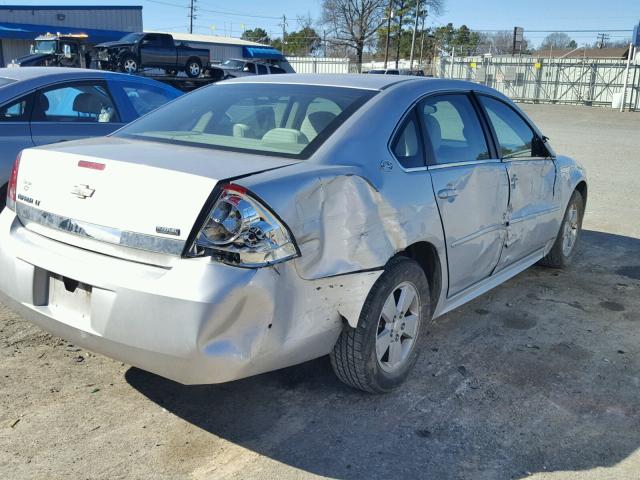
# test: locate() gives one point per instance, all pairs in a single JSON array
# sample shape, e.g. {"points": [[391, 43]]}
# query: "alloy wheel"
{"points": [[398, 327]]}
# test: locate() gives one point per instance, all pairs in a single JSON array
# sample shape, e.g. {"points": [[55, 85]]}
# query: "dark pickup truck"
{"points": [[151, 50]]}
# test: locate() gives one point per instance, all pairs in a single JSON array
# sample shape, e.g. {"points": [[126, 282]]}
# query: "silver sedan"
{"points": [[266, 221]]}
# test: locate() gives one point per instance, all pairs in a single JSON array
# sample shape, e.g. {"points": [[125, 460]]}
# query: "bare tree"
{"points": [[353, 23], [555, 40]]}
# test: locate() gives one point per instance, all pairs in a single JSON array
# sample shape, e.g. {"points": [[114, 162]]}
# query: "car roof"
{"points": [[362, 81], [369, 82], [33, 77]]}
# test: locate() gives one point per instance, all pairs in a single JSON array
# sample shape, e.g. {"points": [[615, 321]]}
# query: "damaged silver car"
{"points": [[266, 221]]}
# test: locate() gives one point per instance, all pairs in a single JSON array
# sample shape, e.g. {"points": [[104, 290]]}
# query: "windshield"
{"points": [[45, 46], [284, 119], [233, 64], [131, 37]]}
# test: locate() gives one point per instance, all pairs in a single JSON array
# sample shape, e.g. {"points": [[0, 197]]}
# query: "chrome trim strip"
{"points": [[479, 233], [463, 164], [170, 246], [534, 215]]}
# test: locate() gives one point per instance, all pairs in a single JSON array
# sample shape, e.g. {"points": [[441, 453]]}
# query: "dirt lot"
{"points": [[539, 378]]}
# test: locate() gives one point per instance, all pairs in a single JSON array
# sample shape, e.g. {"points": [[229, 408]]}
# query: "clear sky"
{"points": [[229, 17]]}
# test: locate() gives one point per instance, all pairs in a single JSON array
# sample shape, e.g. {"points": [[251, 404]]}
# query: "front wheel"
{"points": [[193, 68], [129, 64], [379, 354], [564, 248]]}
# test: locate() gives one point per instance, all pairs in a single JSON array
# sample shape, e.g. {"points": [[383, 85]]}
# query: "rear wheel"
{"points": [[193, 68], [129, 64], [379, 354], [564, 248]]}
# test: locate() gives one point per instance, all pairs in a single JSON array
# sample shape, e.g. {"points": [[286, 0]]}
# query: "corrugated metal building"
{"points": [[19, 25]]}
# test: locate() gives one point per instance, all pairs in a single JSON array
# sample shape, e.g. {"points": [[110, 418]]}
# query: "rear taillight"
{"points": [[241, 231], [13, 184]]}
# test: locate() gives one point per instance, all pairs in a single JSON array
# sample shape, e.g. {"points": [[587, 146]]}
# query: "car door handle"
{"points": [[448, 194]]}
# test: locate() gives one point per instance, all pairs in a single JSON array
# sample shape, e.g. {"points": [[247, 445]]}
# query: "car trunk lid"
{"points": [[133, 194]]}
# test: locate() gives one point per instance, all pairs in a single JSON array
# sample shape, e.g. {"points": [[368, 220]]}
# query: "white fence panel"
{"points": [[319, 64]]}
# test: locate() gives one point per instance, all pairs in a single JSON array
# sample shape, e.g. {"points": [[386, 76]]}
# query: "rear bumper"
{"points": [[194, 322]]}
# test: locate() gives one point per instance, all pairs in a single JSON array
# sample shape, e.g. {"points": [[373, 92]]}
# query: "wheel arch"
{"points": [[426, 255], [582, 188]]}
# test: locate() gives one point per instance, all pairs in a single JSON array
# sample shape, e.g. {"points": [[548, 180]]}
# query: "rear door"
{"points": [[73, 110], [470, 184], [14, 132], [532, 213]]}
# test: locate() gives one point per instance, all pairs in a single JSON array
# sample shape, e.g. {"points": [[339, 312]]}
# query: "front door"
{"points": [[533, 215], [470, 185], [154, 53], [72, 111]]}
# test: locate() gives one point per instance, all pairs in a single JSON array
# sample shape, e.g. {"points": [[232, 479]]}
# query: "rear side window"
{"points": [[145, 98], [407, 146], [515, 137], [16, 111], [81, 102], [275, 69], [453, 129]]}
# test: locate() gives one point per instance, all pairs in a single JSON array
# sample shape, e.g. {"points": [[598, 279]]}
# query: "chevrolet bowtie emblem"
{"points": [[82, 191]]}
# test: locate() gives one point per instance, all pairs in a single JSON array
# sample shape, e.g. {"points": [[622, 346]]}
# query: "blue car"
{"points": [[42, 105]]}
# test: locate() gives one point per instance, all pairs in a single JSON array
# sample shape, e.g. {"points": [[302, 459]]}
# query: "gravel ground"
{"points": [[536, 379]]}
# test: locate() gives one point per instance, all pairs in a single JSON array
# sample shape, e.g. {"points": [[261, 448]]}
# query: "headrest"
{"points": [[320, 120], [434, 130], [87, 103], [285, 135], [43, 103]]}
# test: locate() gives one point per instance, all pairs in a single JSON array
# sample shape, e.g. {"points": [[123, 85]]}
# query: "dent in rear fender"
{"points": [[346, 221]]}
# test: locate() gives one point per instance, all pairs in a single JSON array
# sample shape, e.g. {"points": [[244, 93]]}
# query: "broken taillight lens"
{"points": [[13, 184], [241, 231]]}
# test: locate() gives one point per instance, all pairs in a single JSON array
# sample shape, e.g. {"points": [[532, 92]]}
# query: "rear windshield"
{"points": [[283, 119], [5, 81]]}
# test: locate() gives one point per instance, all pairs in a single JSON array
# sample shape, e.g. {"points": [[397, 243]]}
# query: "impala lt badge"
{"points": [[82, 191]]}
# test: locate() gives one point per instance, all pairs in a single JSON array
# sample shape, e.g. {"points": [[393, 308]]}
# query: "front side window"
{"points": [[266, 118], [16, 111], [453, 129], [152, 41], [515, 138], [82, 102], [145, 98], [407, 146], [262, 70]]}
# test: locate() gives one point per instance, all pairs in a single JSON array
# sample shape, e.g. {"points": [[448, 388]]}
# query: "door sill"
{"points": [[488, 283]]}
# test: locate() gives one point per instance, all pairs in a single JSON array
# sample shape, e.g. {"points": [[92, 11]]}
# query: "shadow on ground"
{"points": [[540, 374]]}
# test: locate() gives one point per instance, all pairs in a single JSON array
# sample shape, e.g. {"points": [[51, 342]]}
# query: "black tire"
{"points": [[128, 64], [193, 68], [354, 357], [561, 255], [3, 197]]}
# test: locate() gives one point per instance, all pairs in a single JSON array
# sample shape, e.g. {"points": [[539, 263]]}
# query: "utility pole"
{"points": [[192, 14], [602, 39], [386, 47], [424, 16], [415, 31], [284, 31]]}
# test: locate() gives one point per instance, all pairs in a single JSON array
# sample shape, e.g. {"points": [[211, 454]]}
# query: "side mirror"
{"points": [[538, 148], [32, 49], [246, 69], [66, 51]]}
